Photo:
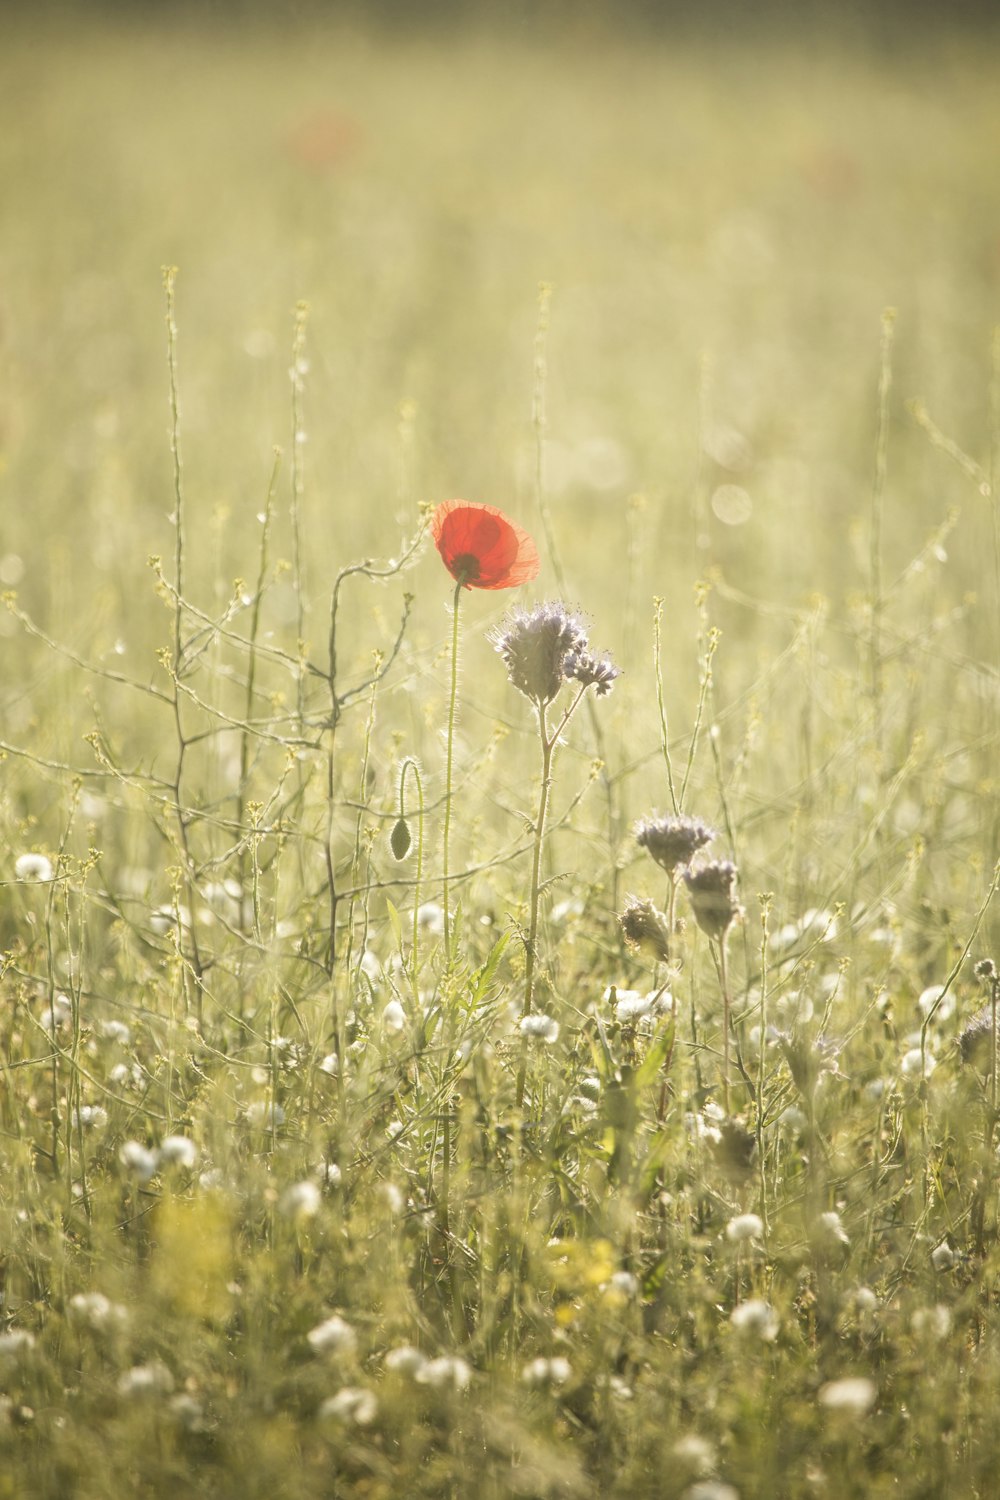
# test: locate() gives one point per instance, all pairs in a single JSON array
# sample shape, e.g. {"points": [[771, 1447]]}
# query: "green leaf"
{"points": [[483, 978]]}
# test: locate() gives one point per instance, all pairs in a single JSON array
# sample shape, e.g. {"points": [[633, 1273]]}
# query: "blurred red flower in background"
{"points": [[481, 547]]}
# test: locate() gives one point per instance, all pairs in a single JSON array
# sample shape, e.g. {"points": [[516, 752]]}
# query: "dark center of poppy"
{"points": [[465, 567]]}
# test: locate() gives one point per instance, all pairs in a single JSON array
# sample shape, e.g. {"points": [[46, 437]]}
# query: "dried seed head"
{"points": [[976, 1041], [598, 672], [986, 970], [673, 842], [644, 926], [535, 644], [710, 890]]}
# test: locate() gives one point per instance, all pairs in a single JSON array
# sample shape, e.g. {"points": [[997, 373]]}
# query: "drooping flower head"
{"points": [[673, 842], [598, 672], [644, 926], [481, 547], [711, 890]]}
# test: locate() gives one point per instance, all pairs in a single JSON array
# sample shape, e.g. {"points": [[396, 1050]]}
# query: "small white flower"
{"points": [[757, 1317], [96, 1311], [695, 1453], [178, 1151], [430, 918], [711, 1489], [262, 1114], [446, 1370], [370, 966], [745, 1227], [405, 1360], [865, 1300], [58, 1015], [15, 1343], [300, 1201], [832, 1228], [541, 1027], [620, 1389], [333, 1336], [942, 1257], [33, 867], [854, 1395], [116, 1031], [330, 1173], [139, 1161], [90, 1117], [625, 1284], [392, 1197], [351, 1404], [153, 1379], [394, 1016], [330, 1065], [186, 1412], [546, 1372], [930, 997], [913, 1065], [935, 1321]]}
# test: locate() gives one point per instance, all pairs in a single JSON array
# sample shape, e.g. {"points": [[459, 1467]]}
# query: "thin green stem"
{"points": [[658, 672], [726, 1019], [878, 499], [449, 762]]}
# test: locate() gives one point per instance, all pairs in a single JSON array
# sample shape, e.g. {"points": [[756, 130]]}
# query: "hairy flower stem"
{"points": [[726, 1013], [548, 744], [448, 770]]}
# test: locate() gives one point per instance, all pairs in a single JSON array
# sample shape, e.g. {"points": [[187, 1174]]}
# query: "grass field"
{"points": [[291, 1202]]}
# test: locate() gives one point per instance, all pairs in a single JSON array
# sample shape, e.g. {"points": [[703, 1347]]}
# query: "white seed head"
{"points": [[33, 867], [854, 1395], [334, 1336], [745, 1227], [756, 1317], [351, 1404]]}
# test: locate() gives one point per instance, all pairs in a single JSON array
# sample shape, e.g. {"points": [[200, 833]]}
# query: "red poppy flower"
{"points": [[481, 548]]}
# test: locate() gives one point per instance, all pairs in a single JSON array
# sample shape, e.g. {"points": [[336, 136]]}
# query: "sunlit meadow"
{"points": [[433, 1064]]}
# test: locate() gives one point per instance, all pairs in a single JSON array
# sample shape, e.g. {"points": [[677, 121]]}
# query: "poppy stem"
{"points": [[448, 769]]}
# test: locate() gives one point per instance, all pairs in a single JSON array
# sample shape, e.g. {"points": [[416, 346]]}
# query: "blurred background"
{"points": [[724, 200]]}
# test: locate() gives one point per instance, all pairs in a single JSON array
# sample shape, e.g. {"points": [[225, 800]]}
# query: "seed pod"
{"points": [[399, 838]]}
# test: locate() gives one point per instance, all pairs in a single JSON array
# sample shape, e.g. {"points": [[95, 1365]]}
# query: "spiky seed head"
{"points": [[710, 890], [535, 644], [986, 970], [673, 842], [644, 926]]}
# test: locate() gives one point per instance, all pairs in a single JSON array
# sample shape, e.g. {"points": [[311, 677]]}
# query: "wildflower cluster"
{"points": [[546, 646]]}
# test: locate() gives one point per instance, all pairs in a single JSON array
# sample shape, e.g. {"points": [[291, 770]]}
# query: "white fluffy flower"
{"points": [[745, 1227], [141, 1162], [540, 1027], [854, 1395], [757, 1317], [405, 1360], [33, 867], [393, 1016], [942, 1257], [351, 1404], [178, 1151], [300, 1201], [334, 1336], [542, 1372], [96, 1311], [153, 1379], [446, 1370]]}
